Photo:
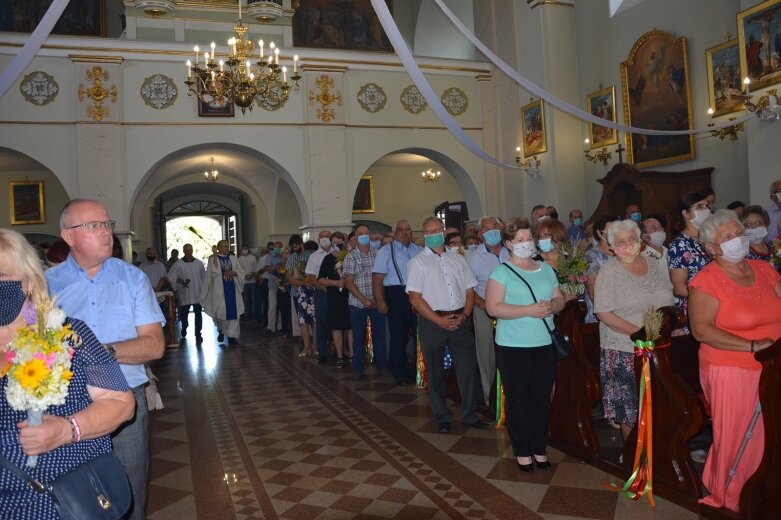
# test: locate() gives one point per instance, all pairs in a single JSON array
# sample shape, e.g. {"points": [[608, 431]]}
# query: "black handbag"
{"points": [[560, 341], [95, 490]]}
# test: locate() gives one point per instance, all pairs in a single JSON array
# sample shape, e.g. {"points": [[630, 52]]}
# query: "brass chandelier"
{"points": [[430, 175], [211, 174], [236, 79]]}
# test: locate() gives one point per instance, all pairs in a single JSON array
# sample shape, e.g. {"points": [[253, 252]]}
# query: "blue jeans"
{"points": [[131, 445], [358, 318], [248, 295]]}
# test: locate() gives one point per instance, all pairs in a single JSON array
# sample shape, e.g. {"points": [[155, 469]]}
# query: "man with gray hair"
{"points": [[441, 288], [115, 299], [774, 211], [483, 261]]}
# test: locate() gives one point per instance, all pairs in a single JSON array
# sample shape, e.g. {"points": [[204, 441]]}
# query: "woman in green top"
{"points": [[526, 358]]}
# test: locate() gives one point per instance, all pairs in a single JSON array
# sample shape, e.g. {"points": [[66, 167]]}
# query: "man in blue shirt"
{"points": [[389, 281], [575, 231], [483, 261], [116, 300]]}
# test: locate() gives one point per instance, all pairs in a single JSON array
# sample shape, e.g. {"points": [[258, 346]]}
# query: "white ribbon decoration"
{"points": [[405, 55], [32, 45], [561, 104]]}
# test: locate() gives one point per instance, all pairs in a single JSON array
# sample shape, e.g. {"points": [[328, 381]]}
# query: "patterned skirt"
{"points": [[305, 306], [619, 386]]}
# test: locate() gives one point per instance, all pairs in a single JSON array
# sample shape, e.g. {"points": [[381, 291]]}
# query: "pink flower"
{"points": [[571, 278], [9, 356], [48, 360]]}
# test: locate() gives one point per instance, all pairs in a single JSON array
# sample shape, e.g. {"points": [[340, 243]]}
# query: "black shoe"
{"points": [[199, 339], [526, 468], [220, 337], [477, 425], [268, 333], [542, 464], [444, 427], [233, 341], [184, 332]]}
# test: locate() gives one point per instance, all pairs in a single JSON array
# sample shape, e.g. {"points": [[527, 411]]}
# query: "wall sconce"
{"points": [[729, 131], [530, 165], [766, 108], [602, 155]]}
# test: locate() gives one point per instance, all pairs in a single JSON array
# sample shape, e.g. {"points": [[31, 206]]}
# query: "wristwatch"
{"points": [[112, 349]]}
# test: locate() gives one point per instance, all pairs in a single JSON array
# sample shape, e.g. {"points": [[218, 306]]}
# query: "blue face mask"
{"points": [[435, 240], [363, 240], [578, 222], [636, 216], [492, 237], [472, 247], [375, 244], [545, 245]]}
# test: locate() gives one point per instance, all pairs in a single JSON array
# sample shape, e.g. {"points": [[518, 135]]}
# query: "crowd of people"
{"points": [[469, 293]]}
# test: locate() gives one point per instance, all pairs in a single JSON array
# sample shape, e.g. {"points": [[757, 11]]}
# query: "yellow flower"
{"points": [[67, 375], [31, 374]]}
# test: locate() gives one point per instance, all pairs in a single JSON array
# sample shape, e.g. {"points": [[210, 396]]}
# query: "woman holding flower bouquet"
{"points": [[56, 364]]}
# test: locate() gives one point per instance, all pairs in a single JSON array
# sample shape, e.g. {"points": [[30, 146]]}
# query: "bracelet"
{"points": [[752, 345], [75, 429]]}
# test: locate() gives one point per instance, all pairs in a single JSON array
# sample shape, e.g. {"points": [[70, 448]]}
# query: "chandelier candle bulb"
{"points": [[746, 82], [213, 47], [221, 66], [276, 56], [197, 51], [295, 63], [260, 43], [205, 59], [284, 74], [248, 67], [710, 115], [189, 69]]}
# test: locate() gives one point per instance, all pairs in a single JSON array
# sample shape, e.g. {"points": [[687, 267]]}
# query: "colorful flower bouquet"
{"points": [[39, 363], [572, 271], [775, 254]]}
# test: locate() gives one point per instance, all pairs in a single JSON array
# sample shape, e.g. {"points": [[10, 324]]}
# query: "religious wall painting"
{"points": [[216, 108], [82, 18], [533, 128], [339, 24], [657, 96], [759, 40], [25, 201], [602, 104], [725, 80], [363, 202]]}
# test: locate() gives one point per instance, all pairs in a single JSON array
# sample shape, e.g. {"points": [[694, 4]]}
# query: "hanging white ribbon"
{"points": [[405, 55], [32, 45], [561, 104]]}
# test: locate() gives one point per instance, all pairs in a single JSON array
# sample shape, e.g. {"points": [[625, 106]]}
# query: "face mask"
{"points": [[700, 216], [636, 216], [542, 218], [492, 237], [245, 251], [435, 240], [472, 248], [364, 240], [325, 242], [454, 249], [577, 222], [150, 258], [375, 244], [545, 245], [277, 250], [524, 249], [756, 235], [12, 297], [628, 252], [735, 250], [336, 247], [657, 238]]}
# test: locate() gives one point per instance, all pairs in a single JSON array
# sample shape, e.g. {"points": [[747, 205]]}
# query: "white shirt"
{"points": [[154, 271], [442, 279], [315, 261], [193, 271], [249, 263]]}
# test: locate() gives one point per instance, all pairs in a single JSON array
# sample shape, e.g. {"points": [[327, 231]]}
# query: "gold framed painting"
{"points": [[25, 201], [657, 96], [363, 201], [725, 81], [602, 104], [533, 128], [759, 40]]}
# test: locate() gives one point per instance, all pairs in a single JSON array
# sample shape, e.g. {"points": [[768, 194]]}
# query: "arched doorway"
{"points": [[201, 223]]}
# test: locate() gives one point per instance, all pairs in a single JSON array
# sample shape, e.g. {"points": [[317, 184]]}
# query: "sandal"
{"points": [[302, 354], [340, 363]]}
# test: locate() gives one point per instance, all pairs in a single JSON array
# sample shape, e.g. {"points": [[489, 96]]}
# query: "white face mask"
{"points": [[325, 242], [524, 249], [657, 238], [735, 250], [756, 235], [700, 215]]}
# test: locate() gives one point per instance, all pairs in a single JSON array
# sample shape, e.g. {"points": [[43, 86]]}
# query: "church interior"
{"points": [[367, 120]]}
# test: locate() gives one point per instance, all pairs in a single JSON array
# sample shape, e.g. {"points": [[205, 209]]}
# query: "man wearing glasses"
{"points": [[116, 300], [774, 211]]}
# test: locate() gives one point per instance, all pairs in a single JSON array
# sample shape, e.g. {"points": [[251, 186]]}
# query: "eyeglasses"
{"points": [[95, 225], [776, 192]]}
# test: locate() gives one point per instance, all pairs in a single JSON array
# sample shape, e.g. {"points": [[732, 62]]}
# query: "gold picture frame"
{"points": [[602, 104], [25, 202], [533, 128], [363, 201], [656, 89], [725, 78], [756, 30]]}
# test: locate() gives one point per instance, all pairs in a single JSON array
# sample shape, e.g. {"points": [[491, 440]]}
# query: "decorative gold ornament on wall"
{"points": [[325, 98], [98, 93]]}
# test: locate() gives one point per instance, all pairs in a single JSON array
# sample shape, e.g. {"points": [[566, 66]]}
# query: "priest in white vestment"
{"points": [[221, 293]]}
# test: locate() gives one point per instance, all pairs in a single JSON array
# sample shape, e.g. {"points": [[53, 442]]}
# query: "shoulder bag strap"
{"points": [[530, 289], [13, 468], [395, 265]]}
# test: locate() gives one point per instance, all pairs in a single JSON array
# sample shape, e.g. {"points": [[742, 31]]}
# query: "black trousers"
{"points": [[401, 322], [184, 312], [283, 309], [528, 375]]}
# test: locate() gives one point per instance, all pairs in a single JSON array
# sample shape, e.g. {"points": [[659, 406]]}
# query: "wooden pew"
{"points": [[577, 388]]}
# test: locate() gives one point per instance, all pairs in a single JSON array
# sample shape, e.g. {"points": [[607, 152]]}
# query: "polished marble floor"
{"points": [[253, 431]]}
